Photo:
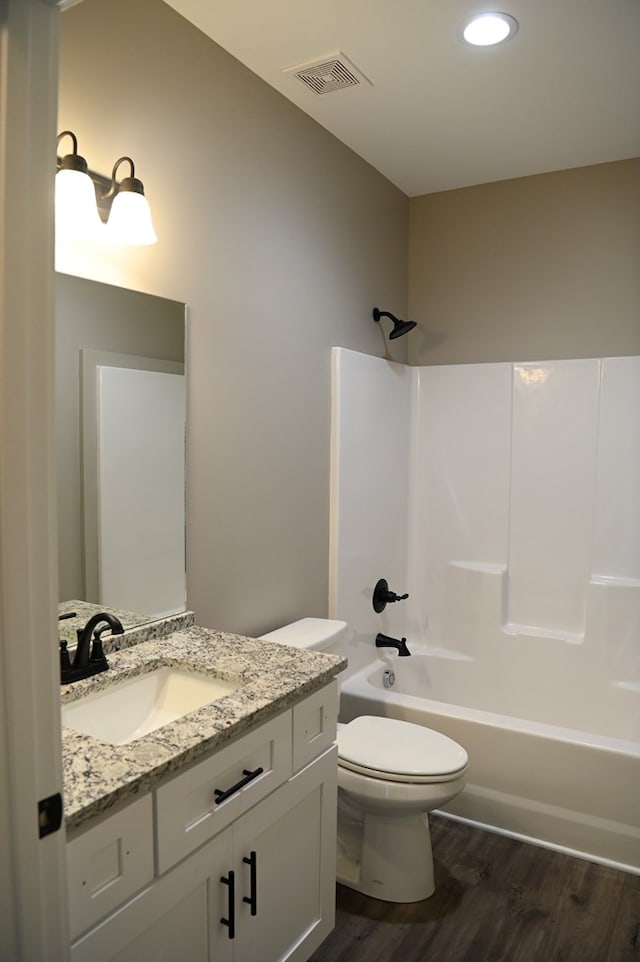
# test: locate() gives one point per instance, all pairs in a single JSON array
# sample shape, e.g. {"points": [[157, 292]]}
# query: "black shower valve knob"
{"points": [[383, 596]]}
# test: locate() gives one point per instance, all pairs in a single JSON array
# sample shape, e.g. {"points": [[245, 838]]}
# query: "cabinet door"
{"points": [[291, 839], [181, 933], [176, 917]]}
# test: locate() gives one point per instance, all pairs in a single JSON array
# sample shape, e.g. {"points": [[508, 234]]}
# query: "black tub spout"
{"points": [[400, 644]]}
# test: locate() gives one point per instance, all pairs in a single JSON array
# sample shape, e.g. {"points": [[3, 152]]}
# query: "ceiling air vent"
{"points": [[333, 72]]}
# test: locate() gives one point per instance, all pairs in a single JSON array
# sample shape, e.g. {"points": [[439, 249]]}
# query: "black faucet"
{"points": [[88, 659], [400, 644]]}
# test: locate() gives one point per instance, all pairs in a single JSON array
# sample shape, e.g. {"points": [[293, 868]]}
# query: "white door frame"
{"points": [[33, 911]]}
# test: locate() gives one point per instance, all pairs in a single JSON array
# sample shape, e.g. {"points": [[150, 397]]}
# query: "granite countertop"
{"points": [[137, 627], [98, 775]]}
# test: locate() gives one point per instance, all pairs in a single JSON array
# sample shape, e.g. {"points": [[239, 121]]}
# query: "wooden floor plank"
{"points": [[626, 943], [496, 900]]}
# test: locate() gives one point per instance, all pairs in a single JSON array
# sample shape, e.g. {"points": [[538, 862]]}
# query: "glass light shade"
{"points": [[130, 219], [488, 29], [77, 215]]}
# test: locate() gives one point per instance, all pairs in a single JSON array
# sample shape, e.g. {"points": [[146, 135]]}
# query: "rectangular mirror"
{"points": [[120, 447]]}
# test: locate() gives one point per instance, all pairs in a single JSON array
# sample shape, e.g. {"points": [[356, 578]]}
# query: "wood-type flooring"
{"points": [[496, 900]]}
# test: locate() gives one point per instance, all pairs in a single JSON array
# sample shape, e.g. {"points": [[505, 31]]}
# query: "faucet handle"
{"points": [[383, 596], [65, 661]]}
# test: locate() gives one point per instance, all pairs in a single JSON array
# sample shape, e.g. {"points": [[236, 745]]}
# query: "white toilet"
{"points": [[390, 775]]}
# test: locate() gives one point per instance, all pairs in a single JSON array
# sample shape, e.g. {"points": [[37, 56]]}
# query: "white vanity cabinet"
{"points": [[248, 879]]}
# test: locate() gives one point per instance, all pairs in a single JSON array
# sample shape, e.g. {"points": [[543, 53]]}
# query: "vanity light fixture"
{"points": [[90, 206], [490, 28], [75, 196], [130, 217]]}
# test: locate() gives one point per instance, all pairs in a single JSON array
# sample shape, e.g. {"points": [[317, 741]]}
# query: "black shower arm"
{"points": [[377, 314]]}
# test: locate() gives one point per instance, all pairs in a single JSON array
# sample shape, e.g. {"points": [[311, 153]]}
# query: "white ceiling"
{"points": [[564, 92]]}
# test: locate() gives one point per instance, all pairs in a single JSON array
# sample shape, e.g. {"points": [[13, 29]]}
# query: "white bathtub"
{"points": [[557, 786]]}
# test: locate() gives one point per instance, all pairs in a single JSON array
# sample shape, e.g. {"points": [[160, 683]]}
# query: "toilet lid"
{"points": [[399, 750]]}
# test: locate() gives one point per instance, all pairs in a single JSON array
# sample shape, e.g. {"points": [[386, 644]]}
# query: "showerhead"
{"points": [[399, 327]]}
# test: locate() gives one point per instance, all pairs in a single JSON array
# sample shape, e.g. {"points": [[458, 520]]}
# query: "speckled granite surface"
{"points": [[98, 775], [138, 627]]}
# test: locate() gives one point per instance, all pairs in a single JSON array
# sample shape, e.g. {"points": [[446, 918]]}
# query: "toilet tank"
{"points": [[315, 634]]}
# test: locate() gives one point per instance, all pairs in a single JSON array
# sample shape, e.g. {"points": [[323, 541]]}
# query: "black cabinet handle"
{"points": [[222, 796], [252, 899], [230, 880]]}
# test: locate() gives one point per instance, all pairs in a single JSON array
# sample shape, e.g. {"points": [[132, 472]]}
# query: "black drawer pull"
{"points": [[230, 880], [248, 777], [252, 899]]}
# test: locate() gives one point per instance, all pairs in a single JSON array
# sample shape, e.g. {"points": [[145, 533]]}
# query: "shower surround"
{"points": [[506, 499]]}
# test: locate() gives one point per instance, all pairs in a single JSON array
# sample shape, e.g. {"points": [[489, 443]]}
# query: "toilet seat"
{"points": [[399, 751]]}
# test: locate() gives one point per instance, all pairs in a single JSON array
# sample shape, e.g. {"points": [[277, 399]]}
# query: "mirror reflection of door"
{"points": [[98, 325], [133, 442]]}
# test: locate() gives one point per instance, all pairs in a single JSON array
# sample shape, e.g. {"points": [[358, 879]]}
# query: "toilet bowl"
{"points": [[391, 773]]}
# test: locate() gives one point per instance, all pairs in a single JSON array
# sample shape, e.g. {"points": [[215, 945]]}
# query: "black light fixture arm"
{"points": [[68, 133], [72, 161], [127, 183]]}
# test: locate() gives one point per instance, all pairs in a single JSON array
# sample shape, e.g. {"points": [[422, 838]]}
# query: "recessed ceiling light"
{"points": [[487, 29]]}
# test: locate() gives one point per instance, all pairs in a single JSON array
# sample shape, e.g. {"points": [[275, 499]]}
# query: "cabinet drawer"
{"points": [[314, 725], [198, 803], [109, 863]]}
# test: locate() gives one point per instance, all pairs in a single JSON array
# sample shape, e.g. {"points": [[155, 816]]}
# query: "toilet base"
{"points": [[385, 857]]}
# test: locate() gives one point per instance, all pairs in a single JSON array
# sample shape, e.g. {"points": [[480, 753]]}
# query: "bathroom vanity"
{"points": [[212, 838]]}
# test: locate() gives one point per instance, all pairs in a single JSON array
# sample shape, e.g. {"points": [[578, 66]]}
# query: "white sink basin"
{"points": [[123, 712]]}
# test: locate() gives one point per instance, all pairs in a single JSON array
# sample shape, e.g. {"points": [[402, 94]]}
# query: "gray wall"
{"points": [[528, 269], [281, 241]]}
